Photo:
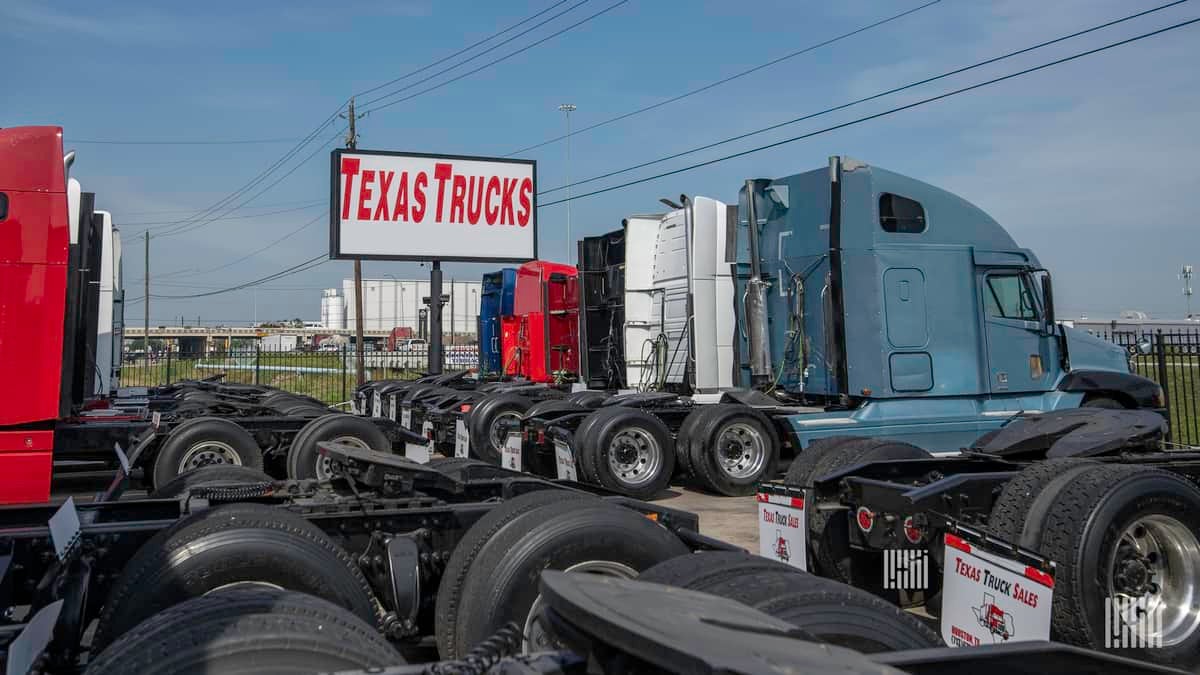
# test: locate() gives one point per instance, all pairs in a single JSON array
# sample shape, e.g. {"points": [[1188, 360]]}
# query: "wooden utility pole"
{"points": [[359, 370], [146, 305]]}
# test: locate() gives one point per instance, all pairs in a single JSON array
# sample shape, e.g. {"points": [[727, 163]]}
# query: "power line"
{"points": [[725, 80], [880, 114], [251, 254], [186, 223], [250, 141], [468, 48], [309, 264], [499, 60], [308, 205], [188, 227], [193, 209], [855, 102]]}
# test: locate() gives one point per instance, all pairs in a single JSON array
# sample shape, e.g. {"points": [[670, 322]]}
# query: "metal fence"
{"points": [[328, 375], [1174, 363]]}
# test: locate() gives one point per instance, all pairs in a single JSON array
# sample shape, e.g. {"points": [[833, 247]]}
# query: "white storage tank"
{"points": [[333, 309]]}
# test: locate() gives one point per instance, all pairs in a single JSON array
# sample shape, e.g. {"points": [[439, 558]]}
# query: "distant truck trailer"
{"points": [[279, 343]]}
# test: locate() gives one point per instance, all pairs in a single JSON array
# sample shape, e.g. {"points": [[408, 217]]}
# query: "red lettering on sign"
{"points": [[506, 202], [419, 184], [963, 568], [364, 194], [441, 173], [474, 199], [349, 170], [457, 194], [491, 214], [401, 209], [385, 184], [526, 192], [1025, 595]]}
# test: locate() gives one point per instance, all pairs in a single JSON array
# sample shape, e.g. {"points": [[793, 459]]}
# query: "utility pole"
{"points": [[568, 108], [146, 305], [352, 144]]}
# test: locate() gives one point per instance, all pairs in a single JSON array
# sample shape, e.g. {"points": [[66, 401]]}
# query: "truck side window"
{"points": [[1008, 297], [900, 214], [3, 206]]}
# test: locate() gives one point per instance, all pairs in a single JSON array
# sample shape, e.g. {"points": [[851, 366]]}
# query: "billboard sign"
{"points": [[409, 206]]}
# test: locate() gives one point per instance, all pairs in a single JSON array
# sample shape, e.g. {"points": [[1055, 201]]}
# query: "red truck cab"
{"points": [[540, 340], [35, 236]]}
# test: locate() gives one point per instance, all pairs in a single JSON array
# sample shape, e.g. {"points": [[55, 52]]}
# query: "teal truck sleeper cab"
{"points": [[911, 312]]}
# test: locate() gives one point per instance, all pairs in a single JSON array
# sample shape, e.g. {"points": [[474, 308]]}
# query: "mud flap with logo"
{"points": [[989, 598], [462, 439], [782, 528], [510, 454]]}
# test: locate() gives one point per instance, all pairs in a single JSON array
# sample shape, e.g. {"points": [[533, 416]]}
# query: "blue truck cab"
{"points": [[900, 310], [496, 302]]}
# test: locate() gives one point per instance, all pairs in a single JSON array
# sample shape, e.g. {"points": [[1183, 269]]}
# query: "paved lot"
{"points": [[731, 519]]}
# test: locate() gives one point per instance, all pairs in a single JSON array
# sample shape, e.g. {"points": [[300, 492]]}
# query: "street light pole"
{"points": [[568, 108]]}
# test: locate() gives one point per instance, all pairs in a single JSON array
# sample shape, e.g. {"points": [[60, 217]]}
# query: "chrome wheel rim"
{"points": [[325, 465], [498, 432], [209, 453], [537, 638], [741, 451], [634, 456], [1155, 571]]}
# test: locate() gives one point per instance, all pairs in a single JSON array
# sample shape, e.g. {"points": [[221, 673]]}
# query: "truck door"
{"points": [[1019, 358]]}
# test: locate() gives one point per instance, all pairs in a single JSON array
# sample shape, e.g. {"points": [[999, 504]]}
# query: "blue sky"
{"points": [[1091, 163]]}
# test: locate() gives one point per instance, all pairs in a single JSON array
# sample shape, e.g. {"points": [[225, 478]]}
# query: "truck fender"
{"points": [[1132, 390]]}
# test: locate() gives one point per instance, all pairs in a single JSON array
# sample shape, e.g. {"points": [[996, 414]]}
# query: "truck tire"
{"points": [[240, 630], [732, 448], [304, 459], [709, 567], [304, 409], [450, 590], [220, 474], [588, 399], [1007, 517], [1102, 402], [828, 531], [1134, 531], [201, 442], [552, 405], [627, 450], [234, 544], [683, 458], [800, 472], [833, 612], [598, 538], [485, 422]]}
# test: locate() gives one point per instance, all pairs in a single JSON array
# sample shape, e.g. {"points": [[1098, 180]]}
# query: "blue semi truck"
{"points": [[864, 303]]}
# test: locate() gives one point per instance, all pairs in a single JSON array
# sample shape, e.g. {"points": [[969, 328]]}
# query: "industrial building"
{"points": [[400, 303]]}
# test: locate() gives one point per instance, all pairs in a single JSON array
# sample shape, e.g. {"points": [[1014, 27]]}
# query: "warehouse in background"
{"points": [[401, 303]]}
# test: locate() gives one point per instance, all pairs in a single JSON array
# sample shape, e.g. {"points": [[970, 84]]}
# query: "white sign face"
{"points": [[392, 409], [378, 408], [462, 439], [427, 430], [782, 529], [397, 206], [405, 417], [564, 460], [987, 599], [156, 419], [510, 454], [417, 452]]}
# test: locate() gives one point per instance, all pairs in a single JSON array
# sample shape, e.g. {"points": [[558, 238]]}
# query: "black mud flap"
{"points": [[1079, 432]]}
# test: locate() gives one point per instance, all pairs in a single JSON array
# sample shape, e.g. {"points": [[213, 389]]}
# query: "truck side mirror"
{"points": [[1048, 302], [1144, 346]]}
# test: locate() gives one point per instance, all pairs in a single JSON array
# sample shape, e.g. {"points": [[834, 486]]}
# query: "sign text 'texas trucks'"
{"points": [[404, 206]]}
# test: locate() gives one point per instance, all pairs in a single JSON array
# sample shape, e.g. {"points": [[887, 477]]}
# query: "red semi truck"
{"points": [[539, 341]]}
